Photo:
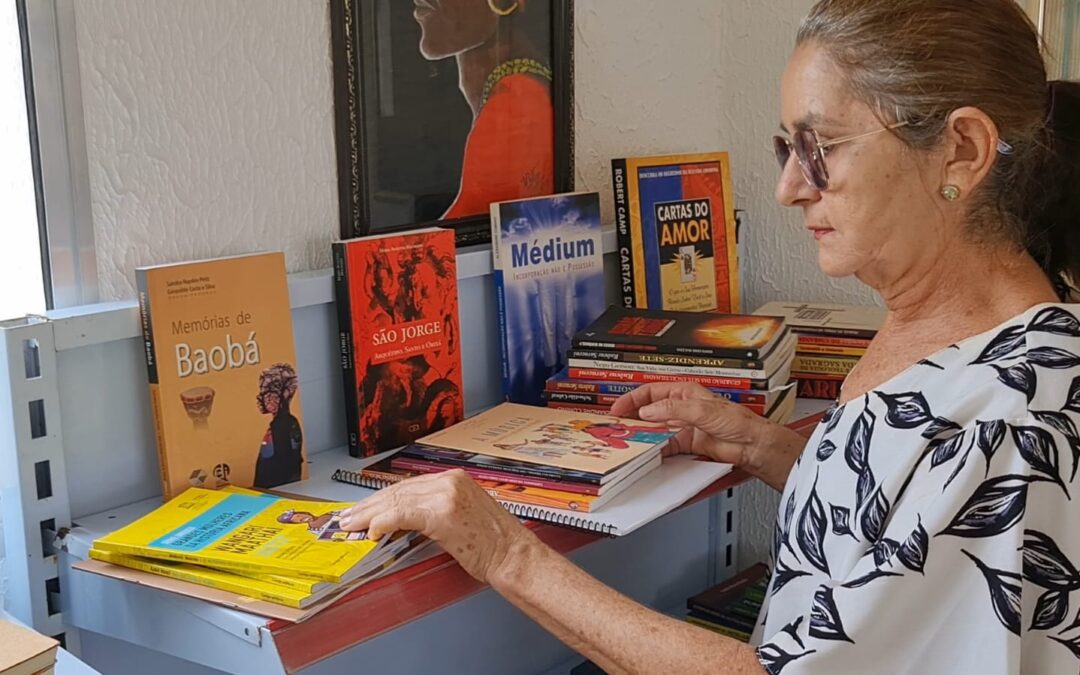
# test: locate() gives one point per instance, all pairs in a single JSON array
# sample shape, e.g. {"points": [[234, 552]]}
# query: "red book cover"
{"points": [[400, 337]]}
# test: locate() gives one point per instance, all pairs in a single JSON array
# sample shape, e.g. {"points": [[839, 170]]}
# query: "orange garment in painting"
{"points": [[510, 150]]}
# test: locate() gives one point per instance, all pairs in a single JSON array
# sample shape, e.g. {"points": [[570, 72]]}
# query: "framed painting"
{"points": [[444, 106]]}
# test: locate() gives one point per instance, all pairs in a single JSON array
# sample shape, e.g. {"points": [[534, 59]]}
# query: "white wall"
{"points": [[209, 131]]}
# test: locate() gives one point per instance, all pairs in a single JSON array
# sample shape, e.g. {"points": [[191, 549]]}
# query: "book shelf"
{"points": [[77, 459]]}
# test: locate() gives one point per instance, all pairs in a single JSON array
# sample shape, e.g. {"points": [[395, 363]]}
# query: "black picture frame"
{"points": [[355, 25]]}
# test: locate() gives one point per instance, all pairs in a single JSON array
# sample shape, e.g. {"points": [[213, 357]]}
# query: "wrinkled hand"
{"points": [[711, 426], [450, 508]]}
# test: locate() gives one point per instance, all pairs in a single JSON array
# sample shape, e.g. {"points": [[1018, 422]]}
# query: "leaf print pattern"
{"points": [[909, 479], [1038, 449], [884, 550], [1056, 321], [867, 578], [858, 443], [811, 534], [1053, 357], [988, 436], [915, 548], [996, 506], [1004, 593], [874, 517], [906, 411], [1050, 610], [773, 659], [825, 450], [945, 449], [1004, 344], [1072, 401], [939, 426], [1073, 644], [1046, 565], [864, 488], [1064, 425], [825, 622], [1020, 377], [783, 575]]}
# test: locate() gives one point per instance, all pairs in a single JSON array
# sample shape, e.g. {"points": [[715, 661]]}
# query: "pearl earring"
{"points": [[950, 192]]}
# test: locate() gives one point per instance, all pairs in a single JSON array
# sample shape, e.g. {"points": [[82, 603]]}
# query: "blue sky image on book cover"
{"points": [[549, 282]]}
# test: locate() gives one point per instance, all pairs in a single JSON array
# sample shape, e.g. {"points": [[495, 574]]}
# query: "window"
{"points": [[1058, 22], [21, 281]]}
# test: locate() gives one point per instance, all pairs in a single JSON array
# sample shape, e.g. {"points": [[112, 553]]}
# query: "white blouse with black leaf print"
{"points": [[933, 525]]}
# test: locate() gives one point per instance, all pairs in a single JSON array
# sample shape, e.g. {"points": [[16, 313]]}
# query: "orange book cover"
{"points": [[400, 337], [222, 365]]}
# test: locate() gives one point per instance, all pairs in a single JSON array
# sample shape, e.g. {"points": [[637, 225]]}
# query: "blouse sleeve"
{"points": [[968, 556]]}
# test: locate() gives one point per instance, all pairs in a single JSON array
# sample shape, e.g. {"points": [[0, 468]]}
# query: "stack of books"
{"points": [[743, 358], [531, 457], [287, 552], [25, 652], [831, 340], [732, 607]]}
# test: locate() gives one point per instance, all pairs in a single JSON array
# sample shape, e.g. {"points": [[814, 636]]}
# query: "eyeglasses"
{"points": [[810, 150]]}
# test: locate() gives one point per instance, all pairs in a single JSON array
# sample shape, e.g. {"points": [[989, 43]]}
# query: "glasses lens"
{"points": [[811, 159], [782, 148]]}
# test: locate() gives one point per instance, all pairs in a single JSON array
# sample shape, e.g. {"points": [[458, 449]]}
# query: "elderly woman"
{"points": [[932, 522]]}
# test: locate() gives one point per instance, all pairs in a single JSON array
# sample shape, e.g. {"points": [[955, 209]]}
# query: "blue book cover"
{"points": [[549, 276]]}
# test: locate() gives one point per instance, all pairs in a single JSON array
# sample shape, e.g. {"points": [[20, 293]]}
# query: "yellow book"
{"points": [[675, 228], [251, 534], [212, 578]]}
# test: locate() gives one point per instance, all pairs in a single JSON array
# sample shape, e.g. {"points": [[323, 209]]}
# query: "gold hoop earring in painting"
{"points": [[503, 11]]}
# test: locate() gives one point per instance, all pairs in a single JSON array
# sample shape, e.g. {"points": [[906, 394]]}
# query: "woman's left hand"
{"points": [[449, 508]]}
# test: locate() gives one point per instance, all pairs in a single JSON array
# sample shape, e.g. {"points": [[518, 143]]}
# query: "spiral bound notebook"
{"points": [[676, 480]]}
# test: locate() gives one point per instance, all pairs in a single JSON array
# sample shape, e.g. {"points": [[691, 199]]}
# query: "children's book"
{"points": [[737, 336], [548, 264], [251, 534], [400, 337], [584, 442], [675, 226], [219, 351]]}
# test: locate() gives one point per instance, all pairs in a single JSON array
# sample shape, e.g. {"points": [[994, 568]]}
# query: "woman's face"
{"points": [[878, 219], [449, 27]]}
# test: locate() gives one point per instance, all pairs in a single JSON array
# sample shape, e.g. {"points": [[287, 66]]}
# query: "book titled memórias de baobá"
{"points": [[548, 260], [224, 388]]}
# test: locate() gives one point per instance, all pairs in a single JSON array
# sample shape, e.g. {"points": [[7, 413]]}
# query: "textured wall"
{"points": [[210, 132]]}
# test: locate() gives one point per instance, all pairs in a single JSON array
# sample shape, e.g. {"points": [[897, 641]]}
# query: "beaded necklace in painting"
{"points": [[514, 67]]}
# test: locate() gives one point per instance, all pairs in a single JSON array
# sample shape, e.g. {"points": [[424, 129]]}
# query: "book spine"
{"points": [[684, 350], [824, 387], [573, 397], [240, 585], [737, 373], [805, 340], [829, 350], [420, 466], [581, 407], [823, 365], [623, 239], [832, 331], [613, 390], [500, 312], [539, 471], [150, 353], [666, 359], [367, 478], [717, 628], [645, 378], [343, 300], [227, 564]]}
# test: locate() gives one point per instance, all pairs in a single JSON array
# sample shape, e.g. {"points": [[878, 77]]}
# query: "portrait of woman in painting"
{"points": [[501, 48]]}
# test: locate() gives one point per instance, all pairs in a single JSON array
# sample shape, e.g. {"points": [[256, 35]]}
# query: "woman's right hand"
{"points": [[711, 426]]}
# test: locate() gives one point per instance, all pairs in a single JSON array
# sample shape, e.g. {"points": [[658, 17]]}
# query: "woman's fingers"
{"points": [[629, 403]]}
